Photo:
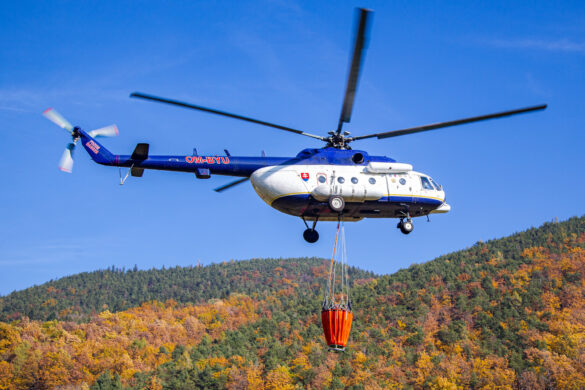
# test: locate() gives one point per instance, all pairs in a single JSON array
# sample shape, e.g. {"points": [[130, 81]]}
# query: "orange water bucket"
{"points": [[336, 327]]}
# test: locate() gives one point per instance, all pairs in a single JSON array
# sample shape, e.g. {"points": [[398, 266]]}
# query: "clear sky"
{"points": [[284, 62]]}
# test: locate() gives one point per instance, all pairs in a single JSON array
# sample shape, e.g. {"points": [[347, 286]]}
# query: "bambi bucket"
{"points": [[336, 327]]}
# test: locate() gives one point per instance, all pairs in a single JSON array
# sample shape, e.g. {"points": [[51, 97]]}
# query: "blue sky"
{"points": [[284, 62]]}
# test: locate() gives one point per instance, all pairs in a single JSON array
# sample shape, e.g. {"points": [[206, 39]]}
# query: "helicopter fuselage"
{"points": [[371, 186]]}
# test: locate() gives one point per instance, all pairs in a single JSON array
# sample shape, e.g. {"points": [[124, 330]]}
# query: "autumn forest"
{"points": [[507, 313]]}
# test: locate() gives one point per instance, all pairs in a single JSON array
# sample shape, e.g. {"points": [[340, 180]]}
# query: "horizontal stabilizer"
{"points": [[140, 153], [230, 185], [136, 172]]}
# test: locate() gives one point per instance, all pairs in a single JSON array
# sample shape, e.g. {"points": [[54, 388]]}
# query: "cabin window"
{"points": [[426, 183], [354, 180], [322, 179], [341, 180], [372, 180], [402, 181]]}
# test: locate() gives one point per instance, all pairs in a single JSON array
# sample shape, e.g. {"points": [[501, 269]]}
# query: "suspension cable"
{"points": [[342, 263], [344, 280], [331, 270]]}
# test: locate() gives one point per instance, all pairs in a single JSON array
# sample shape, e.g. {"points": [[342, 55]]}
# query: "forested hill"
{"points": [[508, 313], [479, 262], [76, 297]]}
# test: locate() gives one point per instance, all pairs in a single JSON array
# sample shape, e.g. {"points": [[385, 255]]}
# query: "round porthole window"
{"points": [[372, 180], [341, 180], [322, 179], [402, 181], [354, 180]]}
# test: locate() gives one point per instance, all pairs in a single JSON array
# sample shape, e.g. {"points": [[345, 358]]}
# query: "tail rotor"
{"points": [[66, 161], [52, 115], [108, 131]]}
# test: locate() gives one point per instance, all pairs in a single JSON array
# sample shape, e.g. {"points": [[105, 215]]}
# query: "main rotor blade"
{"points": [[230, 115], [230, 185], [354, 70], [440, 125]]}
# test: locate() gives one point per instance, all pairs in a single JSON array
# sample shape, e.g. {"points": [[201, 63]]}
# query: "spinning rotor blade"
{"points": [[230, 185], [440, 125], [108, 131], [66, 162], [354, 71], [52, 115], [223, 113]]}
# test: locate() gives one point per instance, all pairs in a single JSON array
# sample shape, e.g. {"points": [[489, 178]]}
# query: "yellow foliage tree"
{"points": [[254, 376], [279, 379]]}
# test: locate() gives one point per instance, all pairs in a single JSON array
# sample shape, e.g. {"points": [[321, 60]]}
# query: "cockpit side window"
{"points": [[426, 184]]}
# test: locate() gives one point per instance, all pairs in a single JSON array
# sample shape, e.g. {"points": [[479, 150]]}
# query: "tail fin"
{"points": [[96, 151]]}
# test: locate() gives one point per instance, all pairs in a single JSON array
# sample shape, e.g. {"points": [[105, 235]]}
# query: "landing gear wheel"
{"points": [[406, 226], [336, 203], [311, 235]]}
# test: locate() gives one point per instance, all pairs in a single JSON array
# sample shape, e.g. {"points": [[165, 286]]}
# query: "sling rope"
{"points": [[330, 300], [331, 270]]}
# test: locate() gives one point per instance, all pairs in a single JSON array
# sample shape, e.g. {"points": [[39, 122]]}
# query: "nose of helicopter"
{"points": [[444, 207]]}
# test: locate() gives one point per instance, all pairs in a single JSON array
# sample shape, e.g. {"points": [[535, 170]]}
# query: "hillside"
{"points": [[76, 297], [508, 313]]}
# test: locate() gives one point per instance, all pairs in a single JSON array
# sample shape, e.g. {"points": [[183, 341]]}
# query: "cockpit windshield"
{"points": [[438, 187], [426, 184]]}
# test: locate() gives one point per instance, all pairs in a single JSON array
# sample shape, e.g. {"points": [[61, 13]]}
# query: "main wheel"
{"points": [[311, 236], [336, 203], [406, 227]]}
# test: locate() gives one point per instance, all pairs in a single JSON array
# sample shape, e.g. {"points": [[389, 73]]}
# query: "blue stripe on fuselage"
{"points": [[301, 204], [411, 199]]}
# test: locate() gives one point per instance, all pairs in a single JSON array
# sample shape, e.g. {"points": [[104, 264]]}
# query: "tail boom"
{"points": [[217, 165]]}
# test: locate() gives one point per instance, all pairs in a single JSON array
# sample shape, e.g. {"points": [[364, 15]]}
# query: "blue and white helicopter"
{"points": [[317, 184]]}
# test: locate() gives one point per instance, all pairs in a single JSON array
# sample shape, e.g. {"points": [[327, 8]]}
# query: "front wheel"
{"points": [[406, 227]]}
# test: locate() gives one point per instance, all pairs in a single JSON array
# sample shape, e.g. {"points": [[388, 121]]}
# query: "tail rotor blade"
{"points": [[108, 131], [52, 115], [66, 162]]}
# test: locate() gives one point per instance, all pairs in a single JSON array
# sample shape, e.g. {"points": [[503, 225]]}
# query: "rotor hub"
{"points": [[338, 140]]}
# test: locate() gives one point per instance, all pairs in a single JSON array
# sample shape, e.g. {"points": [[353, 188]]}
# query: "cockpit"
{"points": [[429, 184]]}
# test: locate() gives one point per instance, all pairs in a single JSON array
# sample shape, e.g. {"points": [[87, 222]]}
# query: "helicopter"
{"points": [[318, 184]]}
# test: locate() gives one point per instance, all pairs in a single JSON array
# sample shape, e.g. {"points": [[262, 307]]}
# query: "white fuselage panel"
{"points": [[355, 183]]}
